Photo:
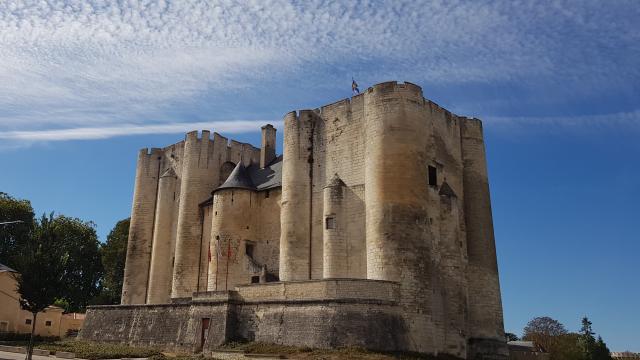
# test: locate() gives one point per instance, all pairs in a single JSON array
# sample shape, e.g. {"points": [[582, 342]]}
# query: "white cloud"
{"points": [[73, 63], [622, 120], [93, 133]]}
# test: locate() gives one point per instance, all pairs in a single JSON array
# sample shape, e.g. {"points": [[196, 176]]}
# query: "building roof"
{"points": [[254, 177], [446, 190], [4, 268], [238, 179]]}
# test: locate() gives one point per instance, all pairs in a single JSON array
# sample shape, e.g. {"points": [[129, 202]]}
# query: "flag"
{"points": [[354, 87]]}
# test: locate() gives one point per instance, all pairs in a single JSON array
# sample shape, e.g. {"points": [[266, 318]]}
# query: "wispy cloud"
{"points": [[93, 133], [622, 121], [75, 64]]}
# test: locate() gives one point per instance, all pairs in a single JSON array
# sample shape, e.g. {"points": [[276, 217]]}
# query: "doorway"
{"points": [[204, 332]]}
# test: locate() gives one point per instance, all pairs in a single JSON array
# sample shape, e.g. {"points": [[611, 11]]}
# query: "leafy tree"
{"points": [[83, 269], [566, 347], [15, 234], [511, 337], [543, 331], [63, 303], [114, 253], [41, 270]]}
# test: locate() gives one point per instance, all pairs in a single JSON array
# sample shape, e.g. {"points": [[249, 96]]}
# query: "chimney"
{"points": [[268, 148]]}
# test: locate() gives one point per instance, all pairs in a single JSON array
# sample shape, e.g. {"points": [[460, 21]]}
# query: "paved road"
{"points": [[17, 356]]}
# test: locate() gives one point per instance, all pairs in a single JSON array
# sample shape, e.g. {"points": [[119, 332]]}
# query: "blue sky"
{"points": [[85, 84]]}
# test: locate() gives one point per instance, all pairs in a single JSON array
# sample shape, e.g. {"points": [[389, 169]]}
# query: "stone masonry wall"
{"points": [[318, 314]]}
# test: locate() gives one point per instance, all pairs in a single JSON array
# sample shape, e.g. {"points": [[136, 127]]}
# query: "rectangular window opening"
{"points": [[255, 279], [47, 323], [248, 249], [330, 222], [27, 321], [266, 194], [433, 176]]}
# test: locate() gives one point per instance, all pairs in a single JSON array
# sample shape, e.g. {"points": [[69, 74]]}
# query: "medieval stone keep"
{"points": [[373, 229]]}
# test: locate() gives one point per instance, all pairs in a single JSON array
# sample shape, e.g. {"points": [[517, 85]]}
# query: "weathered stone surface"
{"points": [[386, 186]]}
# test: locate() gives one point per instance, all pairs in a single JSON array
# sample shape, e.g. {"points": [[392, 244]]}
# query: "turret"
{"points": [[399, 238], [230, 230], [297, 174], [199, 174], [160, 275], [136, 271], [334, 230], [268, 148], [486, 329]]}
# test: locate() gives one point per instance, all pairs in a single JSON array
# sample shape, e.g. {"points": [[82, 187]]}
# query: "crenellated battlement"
{"points": [[395, 87], [196, 135]]}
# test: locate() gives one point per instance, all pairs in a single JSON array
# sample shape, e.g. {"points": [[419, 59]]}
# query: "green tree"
{"points": [[601, 351], [566, 347], [83, 269], [13, 235], [592, 349], [114, 253], [41, 270], [587, 341]]}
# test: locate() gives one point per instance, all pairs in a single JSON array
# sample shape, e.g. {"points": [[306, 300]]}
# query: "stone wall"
{"points": [[318, 314]]}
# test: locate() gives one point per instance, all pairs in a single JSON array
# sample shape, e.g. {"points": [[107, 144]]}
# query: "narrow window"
{"points": [[27, 321], [266, 194], [433, 176], [255, 279], [47, 323], [248, 249], [330, 222]]}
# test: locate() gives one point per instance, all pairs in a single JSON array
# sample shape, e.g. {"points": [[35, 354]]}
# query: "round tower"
{"points": [[161, 271], [198, 179], [136, 270], [297, 167], [231, 227], [334, 231], [486, 328], [399, 241]]}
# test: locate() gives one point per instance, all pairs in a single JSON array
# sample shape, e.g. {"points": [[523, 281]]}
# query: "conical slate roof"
{"points": [[446, 190], [335, 181], [238, 179]]}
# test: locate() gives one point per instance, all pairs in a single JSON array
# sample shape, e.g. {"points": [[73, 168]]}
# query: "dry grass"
{"points": [[351, 353]]}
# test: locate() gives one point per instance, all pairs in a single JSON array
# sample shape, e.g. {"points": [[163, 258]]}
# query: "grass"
{"points": [[91, 350], [94, 351], [349, 353]]}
